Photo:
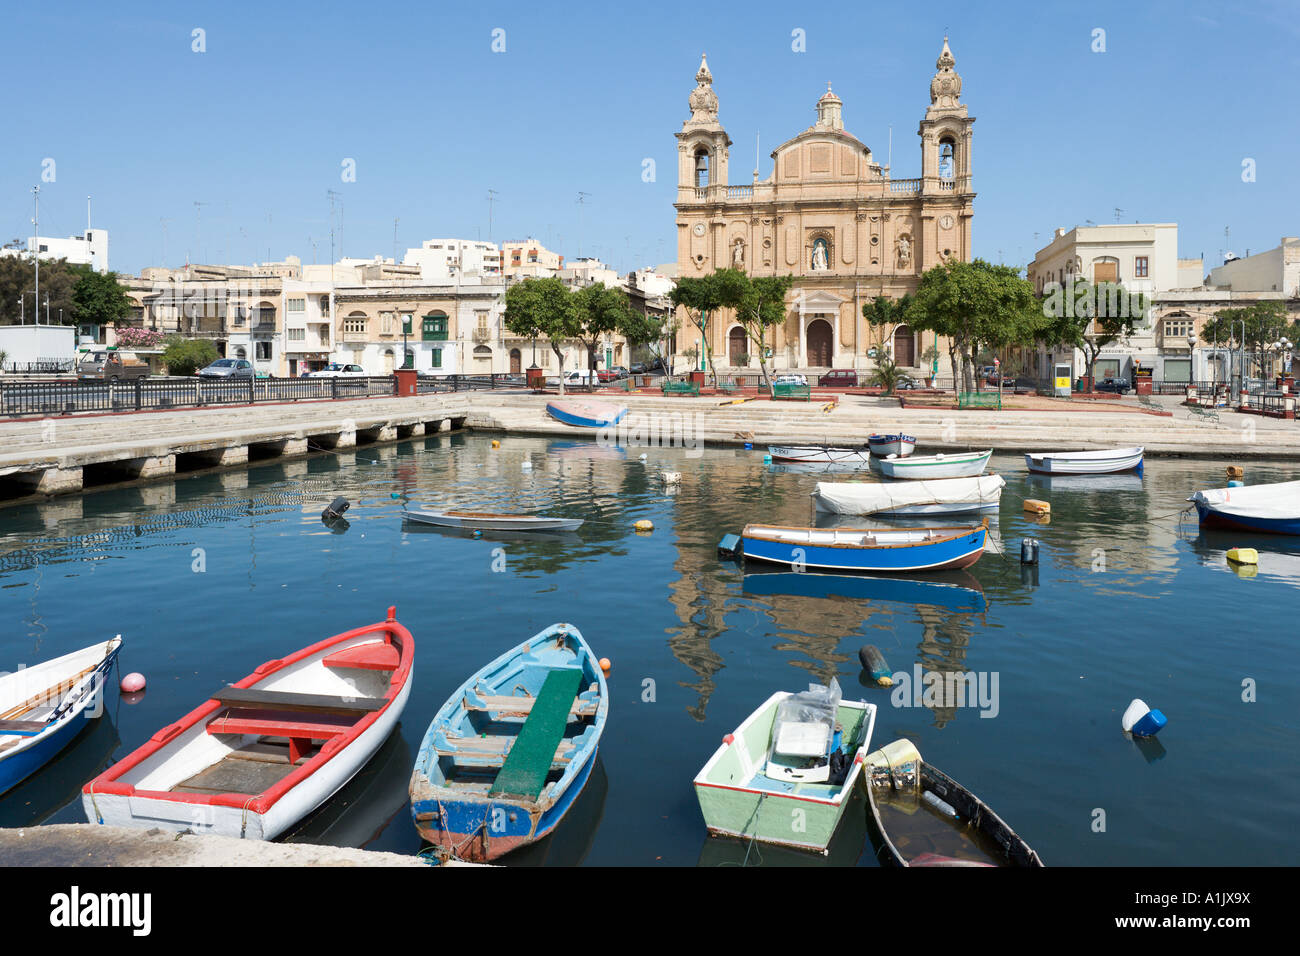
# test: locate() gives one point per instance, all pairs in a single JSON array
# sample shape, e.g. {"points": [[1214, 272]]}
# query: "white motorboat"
{"points": [[943, 496]]}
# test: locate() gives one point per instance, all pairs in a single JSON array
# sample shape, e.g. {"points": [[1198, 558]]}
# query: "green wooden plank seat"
{"points": [[728, 388], [792, 390], [680, 388], [529, 761]]}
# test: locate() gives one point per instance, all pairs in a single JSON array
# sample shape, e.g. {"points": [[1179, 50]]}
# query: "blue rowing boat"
{"points": [[506, 757], [888, 550], [1269, 508], [41, 707], [586, 414]]}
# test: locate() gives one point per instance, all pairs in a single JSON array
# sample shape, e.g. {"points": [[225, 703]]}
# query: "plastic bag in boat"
{"points": [[802, 733]]}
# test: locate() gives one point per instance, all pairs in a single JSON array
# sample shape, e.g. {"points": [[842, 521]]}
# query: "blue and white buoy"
{"points": [[1141, 721]]}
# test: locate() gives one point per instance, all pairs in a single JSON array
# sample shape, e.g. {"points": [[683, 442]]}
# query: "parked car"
{"points": [[620, 371], [575, 378], [606, 375], [907, 382], [339, 370], [111, 365], [228, 368], [638, 368], [1117, 385], [839, 378]]}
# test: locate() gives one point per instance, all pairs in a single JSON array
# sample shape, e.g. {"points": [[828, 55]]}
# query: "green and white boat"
{"points": [[787, 773]]}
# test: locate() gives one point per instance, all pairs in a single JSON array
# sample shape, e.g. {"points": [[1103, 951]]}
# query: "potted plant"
{"points": [[931, 359]]}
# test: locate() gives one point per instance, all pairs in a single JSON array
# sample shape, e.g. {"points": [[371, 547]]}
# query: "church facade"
{"points": [[832, 216]]}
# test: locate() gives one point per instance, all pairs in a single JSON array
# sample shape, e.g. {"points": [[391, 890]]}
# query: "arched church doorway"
{"points": [[737, 346], [820, 344], [904, 346]]}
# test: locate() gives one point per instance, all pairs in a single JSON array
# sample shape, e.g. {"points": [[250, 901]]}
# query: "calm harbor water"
{"points": [[209, 575]]}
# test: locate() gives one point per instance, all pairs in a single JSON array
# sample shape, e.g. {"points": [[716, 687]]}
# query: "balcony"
{"points": [[356, 337], [483, 334], [905, 187]]}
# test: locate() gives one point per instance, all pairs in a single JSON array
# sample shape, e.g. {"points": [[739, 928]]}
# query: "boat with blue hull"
{"points": [[41, 707], [586, 414], [1269, 509], [881, 550], [509, 753]]}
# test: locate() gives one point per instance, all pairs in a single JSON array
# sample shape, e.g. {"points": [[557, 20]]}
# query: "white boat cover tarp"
{"points": [[864, 498], [1280, 500]]}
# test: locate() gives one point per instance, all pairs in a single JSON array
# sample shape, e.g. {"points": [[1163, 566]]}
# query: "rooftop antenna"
{"points": [[491, 197], [581, 201], [1118, 212], [198, 227], [395, 222]]}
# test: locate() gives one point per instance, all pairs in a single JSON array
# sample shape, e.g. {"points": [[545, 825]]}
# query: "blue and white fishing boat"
{"points": [[586, 414], [888, 550], [882, 446], [506, 757], [42, 707], [1271, 508]]}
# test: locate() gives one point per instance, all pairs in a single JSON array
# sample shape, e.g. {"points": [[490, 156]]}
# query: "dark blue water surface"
{"points": [[207, 576]]}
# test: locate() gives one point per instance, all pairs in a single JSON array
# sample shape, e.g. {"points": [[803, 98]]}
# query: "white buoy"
{"points": [[670, 477], [525, 465]]}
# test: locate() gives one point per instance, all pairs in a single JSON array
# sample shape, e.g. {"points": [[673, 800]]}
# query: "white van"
{"points": [[576, 378]]}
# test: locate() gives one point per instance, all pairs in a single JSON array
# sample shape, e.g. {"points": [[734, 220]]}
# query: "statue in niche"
{"points": [[819, 260], [904, 250], [738, 253]]}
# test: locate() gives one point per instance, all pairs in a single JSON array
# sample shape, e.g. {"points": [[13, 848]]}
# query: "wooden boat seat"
{"points": [[298, 729], [243, 697], [492, 751], [370, 657], [22, 728], [582, 706]]}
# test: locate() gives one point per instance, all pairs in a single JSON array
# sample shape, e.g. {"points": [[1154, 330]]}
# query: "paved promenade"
{"points": [[1051, 426]]}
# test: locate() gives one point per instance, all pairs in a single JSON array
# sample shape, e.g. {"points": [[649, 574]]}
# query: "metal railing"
{"points": [[427, 385], [41, 366], [66, 398]]}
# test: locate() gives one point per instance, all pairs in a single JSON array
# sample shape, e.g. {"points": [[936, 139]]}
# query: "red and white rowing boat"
{"points": [[261, 754]]}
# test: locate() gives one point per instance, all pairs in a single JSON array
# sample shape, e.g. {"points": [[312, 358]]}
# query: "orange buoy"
{"points": [[729, 739], [605, 664]]}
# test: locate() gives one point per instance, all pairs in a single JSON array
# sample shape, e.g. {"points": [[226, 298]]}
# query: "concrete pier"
{"points": [[81, 844], [41, 457]]}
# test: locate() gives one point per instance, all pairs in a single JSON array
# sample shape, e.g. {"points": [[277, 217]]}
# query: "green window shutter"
{"points": [[437, 358]]}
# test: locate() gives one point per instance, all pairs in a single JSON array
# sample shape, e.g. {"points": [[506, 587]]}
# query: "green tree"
{"points": [[186, 356], [98, 298], [601, 312], [761, 307], [886, 374], [543, 308], [1265, 322], [1090, 317], [18, 282], [655, 332], [705, 295], [975, 305], [883, 313]]}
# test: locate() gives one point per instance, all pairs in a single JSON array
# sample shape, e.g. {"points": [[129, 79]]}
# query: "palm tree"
{"points": [[887, 375]]}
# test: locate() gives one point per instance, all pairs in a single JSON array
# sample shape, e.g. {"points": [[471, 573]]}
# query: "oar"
{"points": [[48, 696]]}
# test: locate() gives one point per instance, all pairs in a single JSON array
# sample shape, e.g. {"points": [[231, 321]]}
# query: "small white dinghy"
{"points": [[1105, 462], [40, 707], [943, 496], [258, 756], [958, 465], [492, 521]]}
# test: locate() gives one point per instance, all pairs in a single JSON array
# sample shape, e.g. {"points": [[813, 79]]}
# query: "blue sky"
{"points": [[258, 126]]}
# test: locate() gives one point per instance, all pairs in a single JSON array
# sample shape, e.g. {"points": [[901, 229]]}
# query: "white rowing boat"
{"points": [[820, 454], [258, 756], [958, 465], [943, 496], [40, 707], [1105, 462], [492, 521]]}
